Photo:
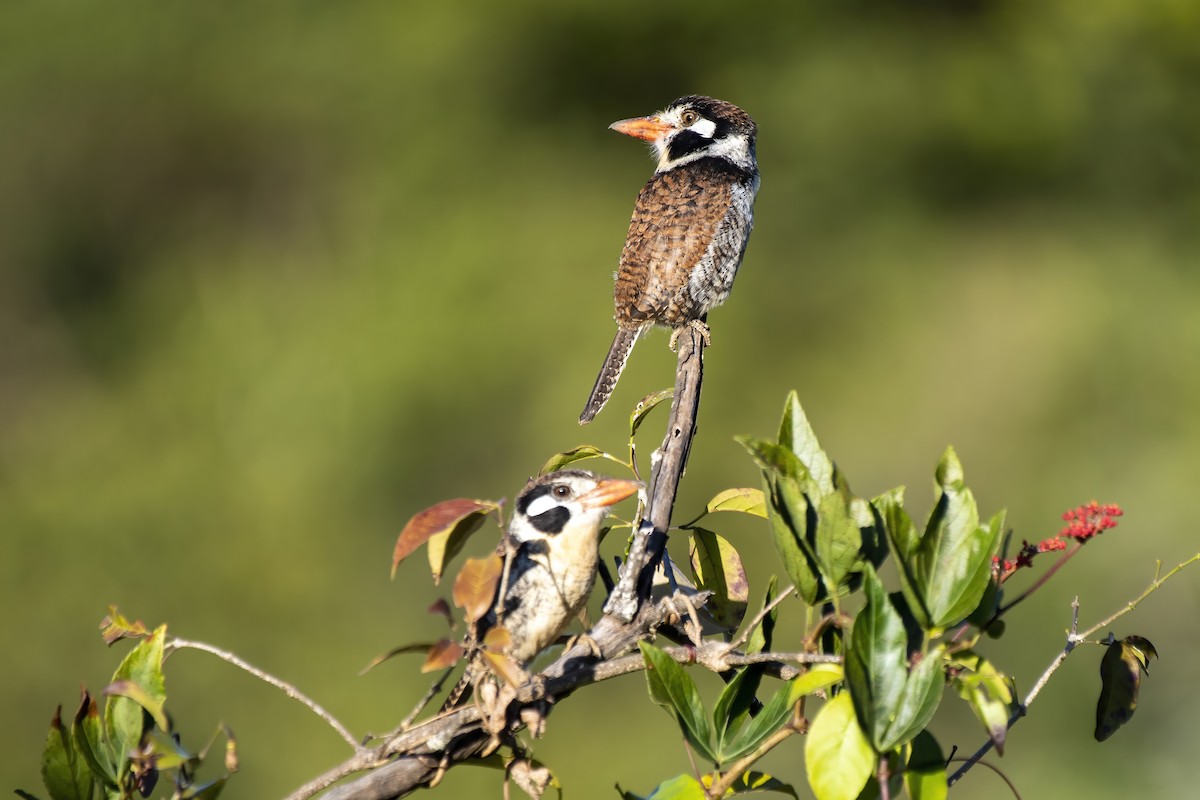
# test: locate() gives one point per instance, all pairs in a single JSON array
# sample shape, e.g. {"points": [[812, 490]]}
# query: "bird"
{"points": [[690, 226], [552, 553]]}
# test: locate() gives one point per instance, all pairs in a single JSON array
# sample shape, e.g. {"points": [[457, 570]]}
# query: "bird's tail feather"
{"points": [[610, 373]]}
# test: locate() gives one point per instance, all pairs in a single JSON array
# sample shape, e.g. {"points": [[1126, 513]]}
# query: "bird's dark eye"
{"points": [[561, 491], [689, 117]]}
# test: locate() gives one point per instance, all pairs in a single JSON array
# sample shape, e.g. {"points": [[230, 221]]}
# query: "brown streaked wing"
{"points": [[674, 220]]}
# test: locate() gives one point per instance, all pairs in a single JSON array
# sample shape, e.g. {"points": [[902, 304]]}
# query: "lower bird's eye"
{"points": [[689, 117], [561, 491]]}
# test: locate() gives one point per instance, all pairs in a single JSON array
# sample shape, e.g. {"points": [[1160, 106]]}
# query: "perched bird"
{"points": [[689, 229], [552, 548]]}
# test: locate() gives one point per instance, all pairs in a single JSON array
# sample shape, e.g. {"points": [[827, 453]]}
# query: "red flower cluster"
{"points": [[1083, 523], [1090, 520]]}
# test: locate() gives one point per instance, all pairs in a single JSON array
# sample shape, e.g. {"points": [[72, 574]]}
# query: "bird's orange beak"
{"points": [[645, 128], [609, 492]]}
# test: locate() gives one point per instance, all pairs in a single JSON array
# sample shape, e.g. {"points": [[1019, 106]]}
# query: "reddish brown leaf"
{"points": [[462, 515], [505, 667], [442, 609], [497, 638], [115, 627], [475, 586], [395, 651], [442, 655]]}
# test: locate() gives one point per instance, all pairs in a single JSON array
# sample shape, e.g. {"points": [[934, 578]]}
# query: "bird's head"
{"points": [[695, 127], [566, 503]]}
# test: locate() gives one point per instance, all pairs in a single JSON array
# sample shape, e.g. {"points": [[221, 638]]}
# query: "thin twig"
{"points": [[1154, 585], [1073, 638], [735, 770], [760, 616], [288, 689], [996, 770]]}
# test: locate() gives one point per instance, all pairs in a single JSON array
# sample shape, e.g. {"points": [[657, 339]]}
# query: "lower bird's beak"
{"points": [[646, 128], [610, 491]]}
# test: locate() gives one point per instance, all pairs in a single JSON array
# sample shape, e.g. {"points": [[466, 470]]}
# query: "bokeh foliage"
{"points": [[272, 278]]}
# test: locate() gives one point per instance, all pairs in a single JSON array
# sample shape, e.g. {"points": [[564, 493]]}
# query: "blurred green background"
{"points": [[276, 277]]}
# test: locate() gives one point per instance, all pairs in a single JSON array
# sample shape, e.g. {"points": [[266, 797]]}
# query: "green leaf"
{"points": [[905, 542], [560, 460], [1121, 677], [955, 556], [681, 787], [204, 791], [838, 540], [751, 781], [733, 704], [920, 699], [773, 457], [747, 501], [124, 717], [717, 567], [760, 638], [778, 710], [876, 661], [64, 773], [987, 690], [838, 758], [789, 517], [925, 775], [645, 406], [87, 735], [797, 435], [893, 703], [673, 689]]}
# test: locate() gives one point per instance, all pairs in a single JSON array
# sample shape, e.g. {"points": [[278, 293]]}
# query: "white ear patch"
{"points": [[705, 127], [540, 505]]}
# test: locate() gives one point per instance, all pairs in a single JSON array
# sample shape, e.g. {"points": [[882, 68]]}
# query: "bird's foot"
{"points": [[587, 641], [698, 325]]}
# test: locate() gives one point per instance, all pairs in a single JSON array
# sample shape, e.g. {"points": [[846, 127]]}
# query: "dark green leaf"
{"points": [[1121, 678], [87, 734], [905, 541], [717, 567], [876, 662], [124, 718], [789, 517], [925, 774], [64, 773], [837, 756], [760, 638], [673, 689], [920, 699], [734, 703], [778, 710]]}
